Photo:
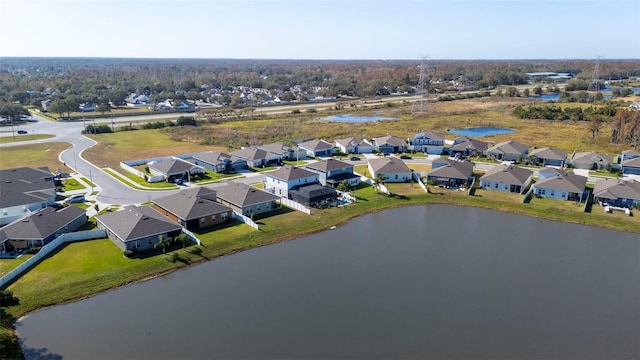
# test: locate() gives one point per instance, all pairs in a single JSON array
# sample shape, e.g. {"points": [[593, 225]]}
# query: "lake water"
{"points": [[421, 282], [355, 119], [481, 131]]}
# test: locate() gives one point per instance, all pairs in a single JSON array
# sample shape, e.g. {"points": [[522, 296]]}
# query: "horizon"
{"points": [[325, 60], [353, 30]]}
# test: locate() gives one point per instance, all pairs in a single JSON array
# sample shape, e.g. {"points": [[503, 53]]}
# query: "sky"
{"points": [[322, 29]]}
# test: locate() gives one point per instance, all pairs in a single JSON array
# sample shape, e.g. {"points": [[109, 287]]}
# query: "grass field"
{"points": [[9, 139], [34, 155], [139, 144]]}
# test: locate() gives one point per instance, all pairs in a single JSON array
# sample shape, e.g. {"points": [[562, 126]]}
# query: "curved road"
{"points": [[112, 191]]}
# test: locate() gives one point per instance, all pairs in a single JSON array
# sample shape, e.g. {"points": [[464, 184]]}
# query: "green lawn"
{"points": [[7, 265], [88, 182], [34, 155], [9, 139], [71, 184]]}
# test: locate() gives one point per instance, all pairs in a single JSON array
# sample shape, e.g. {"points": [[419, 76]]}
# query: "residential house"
{"points": [[428, 142], [563, 186], [631, 166], [507, 178], [86, 107], [451, 173], [40, 228], [591, 160], [313, 195], [137, 228], [174, 169], [548, 172], [629, 154], [617, 192], [280, 151], [45, 104], [508, 151], [24, 190], [391, 169], [315, 148], [194, 209], [135, 100], [254, 157], [246, 200], [389, 144], [548, 156], [352, 145], [288, 177], [464, 146], [332, 172], [219, 162]]}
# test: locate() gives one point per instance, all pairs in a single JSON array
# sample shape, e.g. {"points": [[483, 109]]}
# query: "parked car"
{"points": [[22, 132], [79, 198], [405, 157], [62, 175], [355, 158]]}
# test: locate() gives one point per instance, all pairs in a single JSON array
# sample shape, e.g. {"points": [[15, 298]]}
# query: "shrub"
{"points": [[186, 121]]}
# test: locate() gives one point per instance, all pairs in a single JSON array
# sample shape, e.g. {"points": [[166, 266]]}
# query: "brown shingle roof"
{"points": [[241, 194], [288, 172], [134, 222], [192, 203], [328, 165], [388, 164]]}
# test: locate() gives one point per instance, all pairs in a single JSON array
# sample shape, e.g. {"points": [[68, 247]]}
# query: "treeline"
{"points": [[99, 81], [625, 128], [555, 112]]}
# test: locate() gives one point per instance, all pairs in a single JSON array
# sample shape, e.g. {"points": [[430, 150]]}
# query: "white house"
{"points": [[352, 145], [563, 186], [390, 168], [507, 178], [287, 178], [332, 172], [25, 190]]}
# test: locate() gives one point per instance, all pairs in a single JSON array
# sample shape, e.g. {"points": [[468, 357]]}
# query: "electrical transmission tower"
{"points": [[421, 104], [594, 85]]}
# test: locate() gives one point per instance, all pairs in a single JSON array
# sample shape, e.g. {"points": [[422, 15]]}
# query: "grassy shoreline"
{"points": [[46, 285]]}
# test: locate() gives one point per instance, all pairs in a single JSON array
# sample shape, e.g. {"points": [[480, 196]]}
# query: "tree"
{"points": [[343, 186], [537, 90], [377, 182], [183, 238], [103, 108], [186, 121], [525, 92], [163, 243], [594, 126], [62, 106]]}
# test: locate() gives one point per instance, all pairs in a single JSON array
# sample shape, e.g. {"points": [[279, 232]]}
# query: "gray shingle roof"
{"points": [[614, 188], [431, 135], [250, 154], [212, 157], [241, 194], [509, 174], [192, 204], [134, 222], [464, 143], [288, 173], [316, 145], [453, 170], [591, 157], [276, 148], [328, 165], [509, 147], [174, 166], [635, 162], [21, 186], [42, 223], [388, 164], [549, 153], [566, 182], [348, 142], [389, 140]]}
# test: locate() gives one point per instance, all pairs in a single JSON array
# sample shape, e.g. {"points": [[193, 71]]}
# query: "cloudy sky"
{"points": [[306, 29]]}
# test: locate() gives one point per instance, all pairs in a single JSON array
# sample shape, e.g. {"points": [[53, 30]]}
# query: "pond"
{"points": [[414, 282], [481, 131], [355, 119]]}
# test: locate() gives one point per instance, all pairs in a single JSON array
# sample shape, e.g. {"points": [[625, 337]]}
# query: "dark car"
{"points": [[22, 132], [405, 157], [355, 158]]}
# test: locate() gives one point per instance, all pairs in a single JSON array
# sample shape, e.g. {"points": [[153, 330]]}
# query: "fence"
{"points": [[294, 205], [527, 196], [246, 220], [191, 236], [47, 249], [419, 181]]}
